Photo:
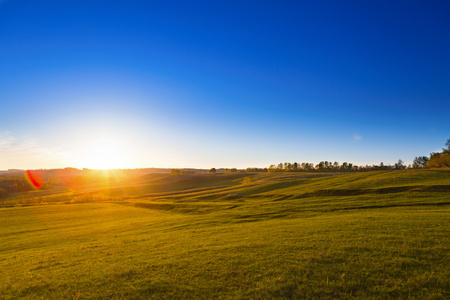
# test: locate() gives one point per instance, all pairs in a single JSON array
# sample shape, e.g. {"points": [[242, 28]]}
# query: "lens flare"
{"points": [[357, 138], [33, 179]]}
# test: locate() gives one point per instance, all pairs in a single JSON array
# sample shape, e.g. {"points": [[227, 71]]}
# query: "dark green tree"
{"points": [[448, 147], [344, 166], [400, 165], [420, 162], [336, 165]]}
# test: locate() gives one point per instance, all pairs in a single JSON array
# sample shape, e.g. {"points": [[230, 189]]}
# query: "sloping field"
{"points": [[286, 235]]}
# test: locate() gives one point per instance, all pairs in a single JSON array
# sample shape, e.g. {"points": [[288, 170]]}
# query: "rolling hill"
{"points": [[378, 234]]}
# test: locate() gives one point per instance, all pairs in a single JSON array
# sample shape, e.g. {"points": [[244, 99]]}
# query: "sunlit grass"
{"points": [[218, 238]]}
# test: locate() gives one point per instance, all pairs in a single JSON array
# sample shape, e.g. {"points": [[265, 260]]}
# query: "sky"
{"points": [[201, 84]]}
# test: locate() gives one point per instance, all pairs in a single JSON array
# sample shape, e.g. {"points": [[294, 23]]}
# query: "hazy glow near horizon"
{"points": [[104, 154]]}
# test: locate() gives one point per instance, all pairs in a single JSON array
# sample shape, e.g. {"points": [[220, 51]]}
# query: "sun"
{"points": [[104, 154]]}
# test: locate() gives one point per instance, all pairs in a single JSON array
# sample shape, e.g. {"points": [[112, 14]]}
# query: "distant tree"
{"points": [[320, 166], [399, 165], [307, 166], [287, 167], [272, 168], [212, 170], [440, 159], [344, 166], [448, 147], [420, 162]]}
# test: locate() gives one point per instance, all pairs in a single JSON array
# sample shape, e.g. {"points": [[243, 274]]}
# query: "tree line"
{"points": [[328, 166], [436, 160]]}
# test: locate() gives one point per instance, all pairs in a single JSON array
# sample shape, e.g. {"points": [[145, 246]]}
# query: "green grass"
{"points": [[375, 235]]}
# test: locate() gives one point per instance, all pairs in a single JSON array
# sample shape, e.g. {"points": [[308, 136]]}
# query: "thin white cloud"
{"points": [[29, 154], [5, 142]]}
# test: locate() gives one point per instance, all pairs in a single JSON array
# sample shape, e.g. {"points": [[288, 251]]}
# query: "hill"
{"points": [[378, 234]]}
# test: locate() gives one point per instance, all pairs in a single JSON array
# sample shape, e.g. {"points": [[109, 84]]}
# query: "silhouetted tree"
{"points": [[399, 165], [336, 165], [420, 162], [287, 167], [307, 166], [344, 166], [212, 170], [272, 168], [448, 147], [320, 166]]}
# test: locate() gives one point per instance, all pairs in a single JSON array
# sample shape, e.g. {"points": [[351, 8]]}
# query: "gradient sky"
{"points": [[222, 83]]}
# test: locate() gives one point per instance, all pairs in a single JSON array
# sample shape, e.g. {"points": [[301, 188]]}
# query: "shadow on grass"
{"points": [[381, 191]]}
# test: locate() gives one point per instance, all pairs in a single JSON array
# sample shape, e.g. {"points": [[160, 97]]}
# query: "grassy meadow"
{"points": [[371, 235]]}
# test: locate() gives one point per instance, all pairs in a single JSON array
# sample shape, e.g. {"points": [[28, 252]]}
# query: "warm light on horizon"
{"points": [[104, 154]]}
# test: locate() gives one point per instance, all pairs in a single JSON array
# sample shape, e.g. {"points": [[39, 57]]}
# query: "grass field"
{"points": [[375, 235]]}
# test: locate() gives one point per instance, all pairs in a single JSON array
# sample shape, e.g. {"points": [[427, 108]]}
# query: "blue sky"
{"points": [[221, 83]]}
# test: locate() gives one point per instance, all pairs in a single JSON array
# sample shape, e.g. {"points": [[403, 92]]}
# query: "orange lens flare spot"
{"points": [[33, 179]]}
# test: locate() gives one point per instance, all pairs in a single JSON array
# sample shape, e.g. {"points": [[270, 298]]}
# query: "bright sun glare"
{"points": [[104, 154]]}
